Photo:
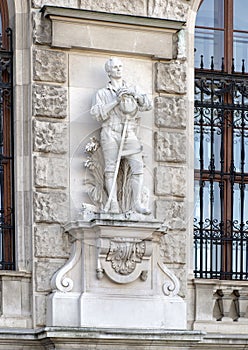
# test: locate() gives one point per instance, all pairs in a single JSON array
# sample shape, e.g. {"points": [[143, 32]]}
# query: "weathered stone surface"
{"points": [[51, 207], [45, 269], [170, 181], [132, 7], [173, 247], [172, 212], [49, 65], [62, 3], [42, 29], [50, 137], [50, 241], [170, 112], [169, 9], [171, 77], [40, 307], [49, 101], [170, 147], [50, 172]]}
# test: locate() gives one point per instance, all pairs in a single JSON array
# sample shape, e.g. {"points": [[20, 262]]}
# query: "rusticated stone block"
{"points": [[50, 137], [49, 65], [172, 212], [132, 7], [45, 269], [170, 181], [169, 9], [50, 172], [50, 242], [42, 29], [170, 112], [40, 307], [170, 147], [171, 77], [49, 101], [61, 3], [173, 247], [51, 207]]}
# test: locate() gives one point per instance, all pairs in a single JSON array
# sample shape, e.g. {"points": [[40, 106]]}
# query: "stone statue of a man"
{"points": [[117, 107]]}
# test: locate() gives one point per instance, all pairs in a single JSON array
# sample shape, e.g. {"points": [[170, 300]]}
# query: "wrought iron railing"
{"points": [[221, 174], [7, 226]]}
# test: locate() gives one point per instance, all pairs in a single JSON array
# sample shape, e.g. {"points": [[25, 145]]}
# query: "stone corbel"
{"points": [[172, 285], [59, 280], [123, 260]]}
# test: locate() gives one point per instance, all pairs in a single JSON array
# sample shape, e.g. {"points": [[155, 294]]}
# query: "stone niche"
{"points": [[115, 276]]}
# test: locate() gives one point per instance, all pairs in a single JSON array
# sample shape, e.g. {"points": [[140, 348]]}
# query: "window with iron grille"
{"points": [[7, 250], [221, 140]]}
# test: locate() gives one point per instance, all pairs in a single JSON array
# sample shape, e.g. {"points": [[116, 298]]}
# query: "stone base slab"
{"points": [[119, 312]]}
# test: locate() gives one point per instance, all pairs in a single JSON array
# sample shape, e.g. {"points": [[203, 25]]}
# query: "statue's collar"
{"points": [[112, 88]]}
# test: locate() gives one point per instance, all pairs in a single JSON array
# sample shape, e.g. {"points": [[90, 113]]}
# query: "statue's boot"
{"points": [[114, 206], [137, 184]]}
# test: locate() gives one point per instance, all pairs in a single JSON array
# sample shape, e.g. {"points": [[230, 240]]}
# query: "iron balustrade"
{"points": [[221, 174]]}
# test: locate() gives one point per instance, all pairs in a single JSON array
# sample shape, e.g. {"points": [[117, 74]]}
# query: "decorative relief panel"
{"points": [[50, 137], [49, 101], [132, 7], [49, 65], [170, 9], [123, 260], [170, 112], [170, 147], [50, 207], [170, 181], [125, 255], [50, 172], [171, 77]]}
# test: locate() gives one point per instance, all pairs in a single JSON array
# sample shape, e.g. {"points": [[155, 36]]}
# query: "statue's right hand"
{"points": [[122, 91]]}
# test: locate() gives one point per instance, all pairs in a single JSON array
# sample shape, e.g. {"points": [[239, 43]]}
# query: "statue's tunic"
{"points": [[112, 127]]}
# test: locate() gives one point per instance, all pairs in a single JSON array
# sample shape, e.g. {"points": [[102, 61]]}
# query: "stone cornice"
{"points": [[49, 11], [113, 33]]}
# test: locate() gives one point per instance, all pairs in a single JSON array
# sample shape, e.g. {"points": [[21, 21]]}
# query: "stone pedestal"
{"points": [[115, 278]]}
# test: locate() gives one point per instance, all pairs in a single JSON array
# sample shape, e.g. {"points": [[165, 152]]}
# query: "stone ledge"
{"points": [[99, 31], [42, 338], [125, 335], [49, 11]]}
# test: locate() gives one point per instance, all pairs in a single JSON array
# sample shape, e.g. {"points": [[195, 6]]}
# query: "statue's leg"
{"points": [[136, 164], [137, 186], [109, 178], [110, 146]]}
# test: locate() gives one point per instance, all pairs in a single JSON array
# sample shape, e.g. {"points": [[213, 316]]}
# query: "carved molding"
{"points": [[59, 280]]}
